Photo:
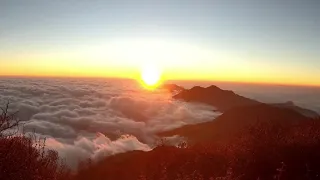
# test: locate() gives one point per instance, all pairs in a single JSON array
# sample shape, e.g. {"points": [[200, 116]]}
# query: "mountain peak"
{"points": [[213, 95]]}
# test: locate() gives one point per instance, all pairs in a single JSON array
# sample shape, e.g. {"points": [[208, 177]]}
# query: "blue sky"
{"points": [[283, 35]]}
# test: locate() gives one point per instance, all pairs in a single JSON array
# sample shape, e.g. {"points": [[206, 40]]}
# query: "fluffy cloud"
{"points": [[86, 118], [95, 148]]}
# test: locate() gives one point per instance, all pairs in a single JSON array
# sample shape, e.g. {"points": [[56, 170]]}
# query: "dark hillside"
{"points": [[226, 126]]}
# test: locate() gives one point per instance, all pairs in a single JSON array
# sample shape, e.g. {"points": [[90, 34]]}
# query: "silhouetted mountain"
{"points": [[172, 87], [233, 121], [303, 111], [223, 100]]}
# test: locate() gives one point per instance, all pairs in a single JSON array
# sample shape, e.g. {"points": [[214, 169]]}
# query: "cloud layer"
{"points": [[93, 118]]}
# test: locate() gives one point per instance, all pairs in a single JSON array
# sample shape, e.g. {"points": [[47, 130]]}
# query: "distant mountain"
{"points": [[226, 126], [303, 111], [172, 87], [223, 100]]}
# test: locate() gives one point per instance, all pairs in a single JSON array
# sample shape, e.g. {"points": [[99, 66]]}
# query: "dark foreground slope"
{"points": [[226, 126], [264, 151]]}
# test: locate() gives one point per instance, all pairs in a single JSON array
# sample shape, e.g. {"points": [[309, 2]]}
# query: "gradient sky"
{"points": [[269, 41]]}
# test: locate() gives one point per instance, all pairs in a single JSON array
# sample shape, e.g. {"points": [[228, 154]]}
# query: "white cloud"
{"points": [[96, 148], [70, 112]]}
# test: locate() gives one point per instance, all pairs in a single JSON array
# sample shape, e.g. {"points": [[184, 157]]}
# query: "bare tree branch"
{"points": [[8, 120]]}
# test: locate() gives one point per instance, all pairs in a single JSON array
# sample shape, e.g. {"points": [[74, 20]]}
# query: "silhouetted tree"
{"points": [[25, 158], [8, 121]]}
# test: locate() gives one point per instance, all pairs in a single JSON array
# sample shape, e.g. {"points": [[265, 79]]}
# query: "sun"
{"points": [[150, 75]]}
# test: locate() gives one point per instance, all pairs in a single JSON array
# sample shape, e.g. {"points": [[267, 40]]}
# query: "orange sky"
{"points": [[125, 58]]}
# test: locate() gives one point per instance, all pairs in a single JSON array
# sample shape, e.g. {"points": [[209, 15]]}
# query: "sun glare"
{"points": [[150, 76]]}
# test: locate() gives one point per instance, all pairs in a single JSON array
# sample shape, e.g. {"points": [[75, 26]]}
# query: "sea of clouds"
{"points": [[94, 118]]}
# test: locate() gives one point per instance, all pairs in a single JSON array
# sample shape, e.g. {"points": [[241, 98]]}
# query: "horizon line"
{"points": [[168, 80]]}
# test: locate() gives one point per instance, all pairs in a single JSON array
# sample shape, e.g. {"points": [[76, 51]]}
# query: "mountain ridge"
{"points": [[225, 100]]}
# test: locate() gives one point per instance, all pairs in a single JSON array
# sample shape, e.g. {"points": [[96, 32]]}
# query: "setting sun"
{"points": [[150, 75]]}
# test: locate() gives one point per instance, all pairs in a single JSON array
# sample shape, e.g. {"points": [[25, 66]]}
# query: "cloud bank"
{"points": [[94, 118]]}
